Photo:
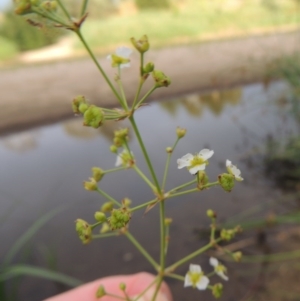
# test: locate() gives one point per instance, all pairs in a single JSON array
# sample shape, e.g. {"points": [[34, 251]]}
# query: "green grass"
{"points": [[195, 21], [187, 22], [7, 49]]}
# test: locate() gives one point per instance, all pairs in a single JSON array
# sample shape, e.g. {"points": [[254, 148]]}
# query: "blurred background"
{"points": [[235, 71]]}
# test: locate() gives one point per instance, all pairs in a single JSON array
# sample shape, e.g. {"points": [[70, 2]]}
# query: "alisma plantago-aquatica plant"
{"points": [[113, 219]]}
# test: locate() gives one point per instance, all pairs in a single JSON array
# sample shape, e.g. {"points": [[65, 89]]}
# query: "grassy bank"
{"points": [[194, 21], [187, 21]]}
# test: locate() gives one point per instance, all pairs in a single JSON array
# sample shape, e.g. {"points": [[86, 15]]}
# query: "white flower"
{"points": [[120, 57], [195, 163], [220, 269], [196, 278], [233, 170], [124, 158]]}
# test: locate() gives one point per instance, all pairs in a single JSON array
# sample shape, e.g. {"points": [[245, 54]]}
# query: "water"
{"points": [[44, 168]]}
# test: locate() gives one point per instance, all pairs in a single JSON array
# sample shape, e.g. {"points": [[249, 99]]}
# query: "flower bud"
{"points": [[168, 221], [90, 185], [97, 173], [114, 149], [119, 218], [169, 150], [226, 181], [118, 142], [84, 231], [100, 292], [202, 178], [105, 228], [161, 79], [211, 214], [23, 7], [93, 117], [49, 5], [83, 107], [180, 132], [148, 68], [217, 290], [227, 234], [118, 60], [122, 286], [100, 217], [126, 202], [237, 256], [142, 45], [77, 102], [107, 207], [122, 134]]}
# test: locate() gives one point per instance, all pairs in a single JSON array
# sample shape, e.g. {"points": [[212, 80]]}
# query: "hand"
{"points": [[135, 284]]}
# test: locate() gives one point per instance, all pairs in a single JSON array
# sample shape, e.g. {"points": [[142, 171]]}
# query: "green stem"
{"points": [[108, 197], [137, 94], [142, 64], [146, 156], [145, 97], [114, 296], [142, 250], [192, 190], [167, 165], [175, 265], [182, 193], [162, 246], [145, 290], [213, 230], [47, 16], [175, 276], [140, 173], [103, 235], [157, 288], [84, 6], [143, 205], [98, 66], [64, 9], [119, 81], [162, 235], [114, 169], [182, 186]]}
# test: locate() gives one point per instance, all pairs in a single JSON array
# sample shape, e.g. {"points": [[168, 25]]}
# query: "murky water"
{"points": [[43, 169]]}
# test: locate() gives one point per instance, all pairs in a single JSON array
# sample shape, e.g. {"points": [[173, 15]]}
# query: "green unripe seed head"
{"points": [[226, 181], [93, 117], [84, 231], [97, 173], [100, 217], [142, 45]]}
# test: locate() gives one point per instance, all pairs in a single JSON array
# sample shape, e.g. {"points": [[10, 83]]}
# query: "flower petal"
{"points": [[228, 163], [233, 170], [195, 268], [202, 283], [222, 275], [206, 153], [123, 51], [119, 161], [187, 281], [213, 261], [126, 65], [197, 168], [184, 161]]}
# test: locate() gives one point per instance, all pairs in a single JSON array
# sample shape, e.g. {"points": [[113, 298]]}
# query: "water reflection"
{"points": [[74, 127], [21, 142], [52, 173], [195, 104]]}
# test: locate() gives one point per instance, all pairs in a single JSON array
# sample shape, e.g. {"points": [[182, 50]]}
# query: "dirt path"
{"points": [[42, 94]]}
